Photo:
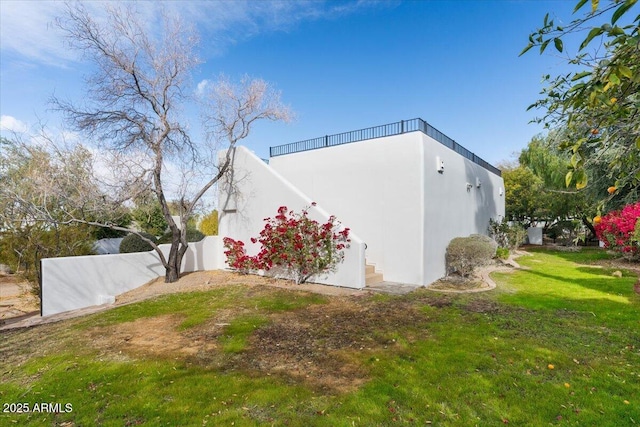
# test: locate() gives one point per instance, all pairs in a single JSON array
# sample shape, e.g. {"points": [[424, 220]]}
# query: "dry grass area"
{"points": [[316, 346], [460, 284], [319, 345]]}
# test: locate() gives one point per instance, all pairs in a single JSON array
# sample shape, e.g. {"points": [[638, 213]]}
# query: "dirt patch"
{"points": [[325, 346], [205, 280], [16, 298], [482, 306], [459, 284], [636, 287], [437, 301], [620, 264], [155, 336]]}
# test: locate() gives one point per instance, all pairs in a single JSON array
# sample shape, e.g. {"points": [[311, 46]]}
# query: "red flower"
{"points": [[617, 228]]}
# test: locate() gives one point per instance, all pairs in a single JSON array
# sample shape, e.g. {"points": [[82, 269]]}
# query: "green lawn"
{"points": [[558, 344]]}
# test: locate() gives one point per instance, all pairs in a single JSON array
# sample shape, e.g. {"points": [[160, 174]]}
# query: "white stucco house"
{"points": [[404, 189]]}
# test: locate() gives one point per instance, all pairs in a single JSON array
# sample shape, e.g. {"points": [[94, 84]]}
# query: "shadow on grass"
{"points": [[603, 286], [585, 255]]}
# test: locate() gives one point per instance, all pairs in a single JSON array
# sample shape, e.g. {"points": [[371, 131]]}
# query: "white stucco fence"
{"points": [[71, 283]]}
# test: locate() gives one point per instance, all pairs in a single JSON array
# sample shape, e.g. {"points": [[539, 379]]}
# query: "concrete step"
{"points": [[370, 275], [371, 279]]}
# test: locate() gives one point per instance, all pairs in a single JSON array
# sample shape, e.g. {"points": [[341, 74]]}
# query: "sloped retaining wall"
{"points": [[255, 191]]}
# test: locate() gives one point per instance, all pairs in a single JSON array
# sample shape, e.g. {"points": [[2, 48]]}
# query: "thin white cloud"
{"points": [[28, 27], [28, 30], [227, 23], [202, 86], [11, 124]]}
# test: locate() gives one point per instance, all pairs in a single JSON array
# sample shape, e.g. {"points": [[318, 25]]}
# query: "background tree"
{"points": [[597, 105], [523, 195], [133, 109], [558, 203], [148, 215], [209, 224], [31, 178]]}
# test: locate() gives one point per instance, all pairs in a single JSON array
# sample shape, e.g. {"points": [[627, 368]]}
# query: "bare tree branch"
{"points": [[132, 109]]}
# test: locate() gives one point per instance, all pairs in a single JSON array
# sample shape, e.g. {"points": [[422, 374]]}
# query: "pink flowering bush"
{"points": [[237, 257], [293, 244], [617, 230]]}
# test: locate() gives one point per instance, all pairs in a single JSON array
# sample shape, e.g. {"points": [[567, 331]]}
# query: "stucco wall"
{"points": [[454, 204], [255, 191], [77, 282], [375, 186], [390, 192]]}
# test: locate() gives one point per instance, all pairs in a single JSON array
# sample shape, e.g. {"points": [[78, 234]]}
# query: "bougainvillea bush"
{"points": [[292, 244], [617, 230]]}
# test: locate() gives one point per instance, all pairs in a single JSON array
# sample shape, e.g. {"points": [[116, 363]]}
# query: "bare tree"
{"points": [[133, 108]]}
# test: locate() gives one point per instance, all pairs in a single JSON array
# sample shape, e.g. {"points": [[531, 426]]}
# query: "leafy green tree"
{"points": [[121, 220], [557, 202], [150, 218], [135, 243], [597, 104], [523, 191], [148, 215]]}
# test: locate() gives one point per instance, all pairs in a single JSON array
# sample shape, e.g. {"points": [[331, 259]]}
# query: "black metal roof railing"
{"points": [[397, 128]]}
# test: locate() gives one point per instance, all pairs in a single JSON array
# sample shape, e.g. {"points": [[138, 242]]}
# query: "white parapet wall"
{"points": [[255, 191], [72, 283]]}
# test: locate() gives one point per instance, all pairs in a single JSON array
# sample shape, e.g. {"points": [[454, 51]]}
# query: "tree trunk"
{"points": [[172, 275], [172, 270], [179, 247], [587, 224], [174, 261]]}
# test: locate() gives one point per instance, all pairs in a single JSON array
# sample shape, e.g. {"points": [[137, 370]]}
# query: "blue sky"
{"points": [[340, 65]]}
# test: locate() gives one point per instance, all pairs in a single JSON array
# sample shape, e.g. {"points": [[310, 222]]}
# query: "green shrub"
{"points": [[502, 253], [508, 235], [193, 235], [209, 224], [133, 243], [635, 237], [465, 254], [566, 231]]}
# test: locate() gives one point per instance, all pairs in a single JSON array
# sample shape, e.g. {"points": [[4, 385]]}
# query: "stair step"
{"points": [[370, 279], [370, 275]]}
